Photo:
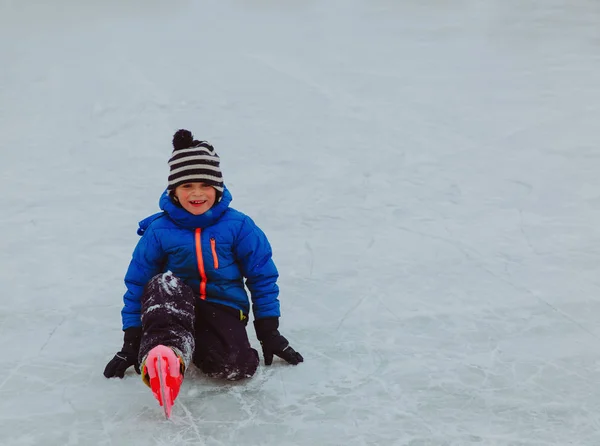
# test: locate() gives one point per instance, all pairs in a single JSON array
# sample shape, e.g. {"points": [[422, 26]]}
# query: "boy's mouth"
{"points": [[197, 202]]}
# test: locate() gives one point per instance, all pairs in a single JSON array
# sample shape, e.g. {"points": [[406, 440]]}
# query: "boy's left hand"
{"points": [[273, 343], [279, 346]]}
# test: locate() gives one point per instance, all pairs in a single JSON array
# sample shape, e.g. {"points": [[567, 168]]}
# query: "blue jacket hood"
{"points": [[143, 225]]}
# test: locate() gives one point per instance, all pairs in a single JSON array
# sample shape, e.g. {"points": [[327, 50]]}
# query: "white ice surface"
{"points": [[428, 173]]}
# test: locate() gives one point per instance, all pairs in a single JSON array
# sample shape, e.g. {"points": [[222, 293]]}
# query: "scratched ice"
{"points": [[427, 173]]}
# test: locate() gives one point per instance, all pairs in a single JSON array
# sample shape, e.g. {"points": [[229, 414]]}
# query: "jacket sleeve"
{"points": [[253, 253], [146, 262]]}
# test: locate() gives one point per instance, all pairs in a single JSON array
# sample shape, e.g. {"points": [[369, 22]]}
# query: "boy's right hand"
{"points": [[127, 357], [121, 362]]}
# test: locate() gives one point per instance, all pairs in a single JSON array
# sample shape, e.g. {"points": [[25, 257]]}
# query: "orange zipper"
{"points": [[200, 264], [213, 247]]}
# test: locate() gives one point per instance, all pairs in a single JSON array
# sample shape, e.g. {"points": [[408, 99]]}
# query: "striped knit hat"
{"points": [[193, 161]]}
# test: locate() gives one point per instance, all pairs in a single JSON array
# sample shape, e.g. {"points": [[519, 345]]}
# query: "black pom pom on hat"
{"points": [[182, 139]]}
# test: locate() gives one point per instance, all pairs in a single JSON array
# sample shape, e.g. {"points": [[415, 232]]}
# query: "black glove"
{"points": [[273, 343], [128, 356]]}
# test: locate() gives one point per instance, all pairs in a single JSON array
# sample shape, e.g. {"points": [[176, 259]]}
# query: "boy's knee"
{"points": [[234, 368], [167, 284], [167, 280], [245, 368]]}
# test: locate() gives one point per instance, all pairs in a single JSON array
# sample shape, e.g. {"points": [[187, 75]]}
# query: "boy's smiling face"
{"points": [[196, 198]]}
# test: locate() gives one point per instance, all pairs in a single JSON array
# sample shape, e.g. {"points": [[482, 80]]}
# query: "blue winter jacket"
{"points": [[212, 253]]}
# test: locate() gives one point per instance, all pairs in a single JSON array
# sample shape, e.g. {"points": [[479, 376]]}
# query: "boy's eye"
{"points": [[191, 185]]}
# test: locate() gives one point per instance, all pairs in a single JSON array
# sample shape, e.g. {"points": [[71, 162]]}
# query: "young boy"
{"points": [[185, 282]]}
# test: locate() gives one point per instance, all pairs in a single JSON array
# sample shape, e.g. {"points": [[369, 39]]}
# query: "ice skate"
{"points": [[163, 371]]}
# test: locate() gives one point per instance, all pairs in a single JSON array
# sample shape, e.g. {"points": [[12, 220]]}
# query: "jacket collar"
{"points": [[189, 221]]}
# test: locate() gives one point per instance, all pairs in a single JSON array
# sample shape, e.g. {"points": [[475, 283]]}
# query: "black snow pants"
{"points": [[213, 336]]}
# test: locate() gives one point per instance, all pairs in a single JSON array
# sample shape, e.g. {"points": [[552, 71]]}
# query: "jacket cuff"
{"points": [[266, 327]]}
